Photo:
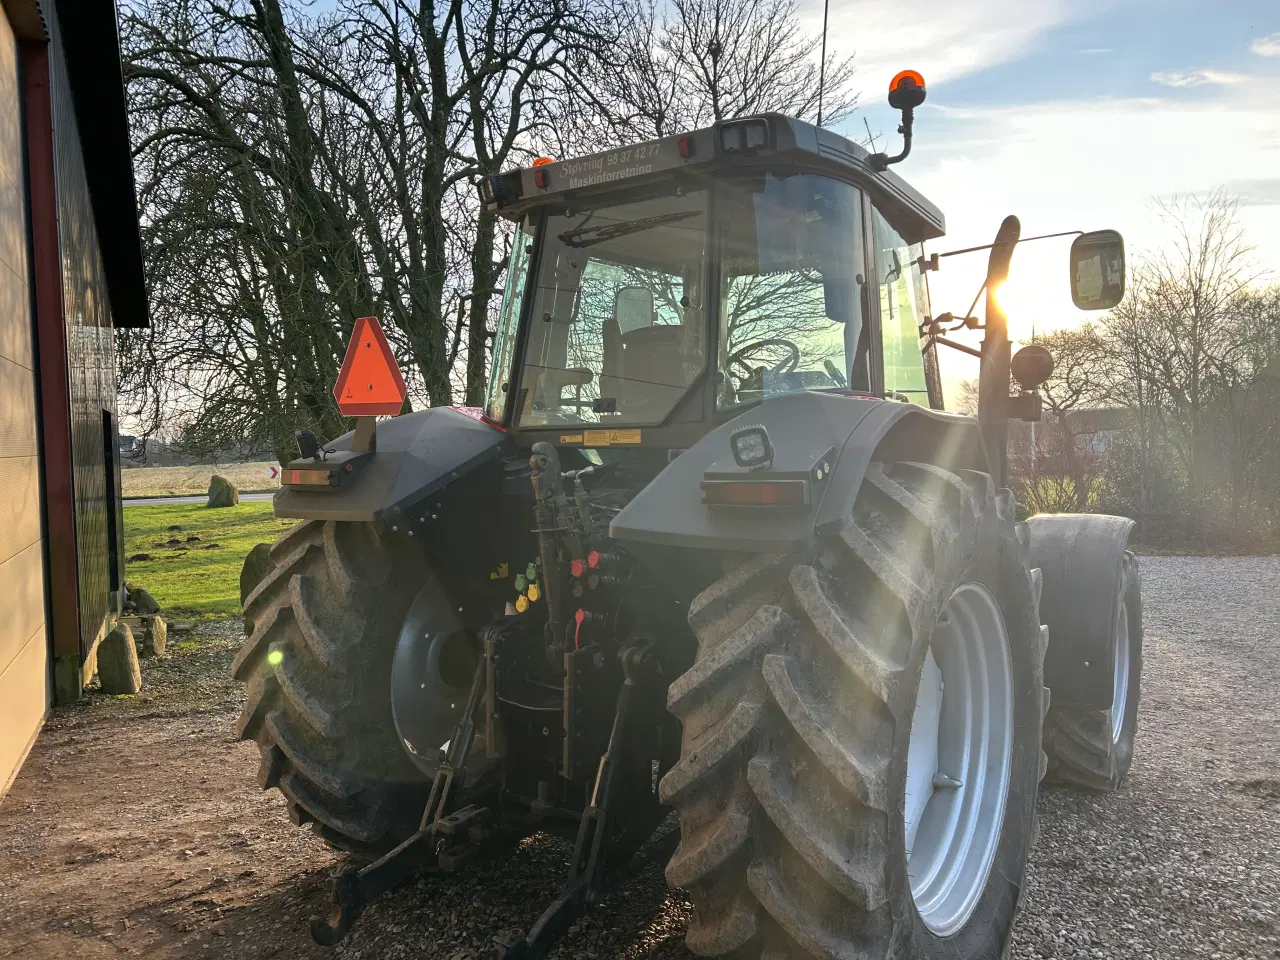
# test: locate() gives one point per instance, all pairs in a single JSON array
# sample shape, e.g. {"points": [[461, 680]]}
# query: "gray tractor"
{"points": [[711, 545]]}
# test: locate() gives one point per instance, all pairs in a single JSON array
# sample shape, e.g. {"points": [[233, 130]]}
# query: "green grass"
{"points": [[191, 580]]}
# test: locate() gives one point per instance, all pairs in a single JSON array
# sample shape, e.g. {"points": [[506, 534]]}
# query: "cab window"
{"points": [[790, 296], [904, 303], [616, 330], [504, 344]]}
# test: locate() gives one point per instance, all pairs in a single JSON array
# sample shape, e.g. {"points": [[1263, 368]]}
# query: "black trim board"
{"points": [[91, 46]]}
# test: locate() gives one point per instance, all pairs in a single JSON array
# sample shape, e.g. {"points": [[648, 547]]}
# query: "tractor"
{"points": [[711, 546]]}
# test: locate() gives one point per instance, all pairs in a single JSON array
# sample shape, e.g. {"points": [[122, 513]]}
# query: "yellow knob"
{"points": [[534, 593], [522, 603]]}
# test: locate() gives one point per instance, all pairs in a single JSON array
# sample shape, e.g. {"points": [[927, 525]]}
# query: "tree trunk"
{"points": [[483, 276]]}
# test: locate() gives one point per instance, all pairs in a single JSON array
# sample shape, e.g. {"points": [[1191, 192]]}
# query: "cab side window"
{"points": [[904, 303]]}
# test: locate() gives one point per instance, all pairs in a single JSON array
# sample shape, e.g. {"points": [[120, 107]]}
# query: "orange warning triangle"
{"points": [[369, 383]]}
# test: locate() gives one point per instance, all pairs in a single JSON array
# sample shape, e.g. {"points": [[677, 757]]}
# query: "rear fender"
{"points": [[1080, 558], [670, 512], [418, 455]]}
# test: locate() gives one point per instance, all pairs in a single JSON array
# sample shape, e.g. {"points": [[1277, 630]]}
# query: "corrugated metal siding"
{"points": [[24, 671], [91, 354]]}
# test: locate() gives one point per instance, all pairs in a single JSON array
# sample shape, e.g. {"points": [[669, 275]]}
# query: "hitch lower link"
{"points": [[586, 869], [442, 843]]}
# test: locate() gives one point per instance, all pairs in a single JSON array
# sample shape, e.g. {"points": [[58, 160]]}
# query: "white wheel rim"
{"points": [[958, 759], [1120, 675]]}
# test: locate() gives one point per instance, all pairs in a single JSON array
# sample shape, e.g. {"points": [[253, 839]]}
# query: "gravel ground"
{"points": [[135, 828]]}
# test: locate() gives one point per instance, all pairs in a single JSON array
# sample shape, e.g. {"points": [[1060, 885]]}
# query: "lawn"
{"points": [[188, 481], [194, 553]]}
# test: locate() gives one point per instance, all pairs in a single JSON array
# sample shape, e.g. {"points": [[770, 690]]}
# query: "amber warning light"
{"points": [[370, 383]]}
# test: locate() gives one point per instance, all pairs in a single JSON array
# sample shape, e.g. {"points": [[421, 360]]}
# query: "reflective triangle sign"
{"points": [[370, 383]]}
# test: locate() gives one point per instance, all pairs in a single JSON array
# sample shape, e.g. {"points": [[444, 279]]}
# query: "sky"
{"points": [[1072, 114]]}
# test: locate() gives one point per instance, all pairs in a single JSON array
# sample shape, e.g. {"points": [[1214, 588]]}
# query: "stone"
{"points": [[155, 637], [222, 492], [118, 668], [256, 566], [142, 601]]}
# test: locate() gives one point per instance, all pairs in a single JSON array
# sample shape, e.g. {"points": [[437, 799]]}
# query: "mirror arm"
{"points": [[956, 346], [988, 246]]}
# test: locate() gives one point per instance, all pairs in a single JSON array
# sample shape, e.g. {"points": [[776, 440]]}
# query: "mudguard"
{"points": [[801, 426], [418, 454], [1080, 557]]}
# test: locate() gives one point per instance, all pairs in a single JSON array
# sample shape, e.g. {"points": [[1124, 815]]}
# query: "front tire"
{"points": [[797, 717], [1092, 749]]}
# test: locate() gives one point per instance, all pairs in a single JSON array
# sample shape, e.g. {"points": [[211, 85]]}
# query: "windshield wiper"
{"points": [[589, 236]]}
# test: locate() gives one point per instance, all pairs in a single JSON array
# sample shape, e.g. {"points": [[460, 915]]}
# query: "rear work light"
{"points": [[500, 190], [753, 493], [745, 136]]}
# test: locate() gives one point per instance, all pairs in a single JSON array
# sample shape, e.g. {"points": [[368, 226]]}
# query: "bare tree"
{"points": [[324, 166], [695, 62], [300, 168]]}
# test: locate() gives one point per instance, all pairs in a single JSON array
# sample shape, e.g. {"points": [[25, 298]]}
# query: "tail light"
{"points": [[755, 493]]}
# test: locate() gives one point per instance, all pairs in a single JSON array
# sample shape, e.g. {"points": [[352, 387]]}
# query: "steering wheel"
{"points": [[785, 365]]}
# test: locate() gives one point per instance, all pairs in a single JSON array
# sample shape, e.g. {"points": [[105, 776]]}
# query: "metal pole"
{"points": [[1033, 423]]}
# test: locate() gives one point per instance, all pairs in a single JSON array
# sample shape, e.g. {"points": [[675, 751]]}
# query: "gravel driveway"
{"points": [[135, 828]]}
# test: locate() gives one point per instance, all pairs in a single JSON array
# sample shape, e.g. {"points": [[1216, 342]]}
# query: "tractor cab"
{"points": [[658, 290]]}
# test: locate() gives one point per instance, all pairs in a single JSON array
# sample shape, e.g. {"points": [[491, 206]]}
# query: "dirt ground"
{"points": [[136, 829]]}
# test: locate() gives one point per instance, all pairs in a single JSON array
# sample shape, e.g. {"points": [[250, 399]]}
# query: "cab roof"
{"points": [[762, 140]]}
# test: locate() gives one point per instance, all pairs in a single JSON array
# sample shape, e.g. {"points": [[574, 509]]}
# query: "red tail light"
{"points": [[753, 493]]}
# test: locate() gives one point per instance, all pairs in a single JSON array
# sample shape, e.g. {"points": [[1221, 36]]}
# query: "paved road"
{"points": [[174, 501]]}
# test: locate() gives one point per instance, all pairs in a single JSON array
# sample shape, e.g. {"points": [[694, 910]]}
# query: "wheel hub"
{"points": [[430, 676], [959, 759]]}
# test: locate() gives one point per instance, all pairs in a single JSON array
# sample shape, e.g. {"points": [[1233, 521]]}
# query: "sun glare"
{"points": [[1020, 299]]}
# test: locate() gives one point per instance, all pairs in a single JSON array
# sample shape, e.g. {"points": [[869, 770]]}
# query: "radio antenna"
{"points": [[871, 137], [822, 67]]}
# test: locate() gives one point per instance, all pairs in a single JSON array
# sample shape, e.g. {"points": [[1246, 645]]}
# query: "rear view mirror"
{"points": [[1097, 270], [633, 308]]}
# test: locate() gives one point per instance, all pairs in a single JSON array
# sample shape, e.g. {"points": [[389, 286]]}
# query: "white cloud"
{"points": [[941, 38], [1268, 46], [1093, 50], [1086, 165], [1195, 78]]}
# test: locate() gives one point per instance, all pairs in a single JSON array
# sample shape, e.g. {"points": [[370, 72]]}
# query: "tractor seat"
{"points": [[643, 367]]}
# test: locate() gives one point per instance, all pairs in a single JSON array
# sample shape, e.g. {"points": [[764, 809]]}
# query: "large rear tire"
{"points": [[318, 666], [792, 788], [1093, 749]]}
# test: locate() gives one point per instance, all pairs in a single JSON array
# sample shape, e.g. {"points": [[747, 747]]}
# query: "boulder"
{"points": [[142, 601], [256, 566], [222, 492], [118, 668], [155, 637]]}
